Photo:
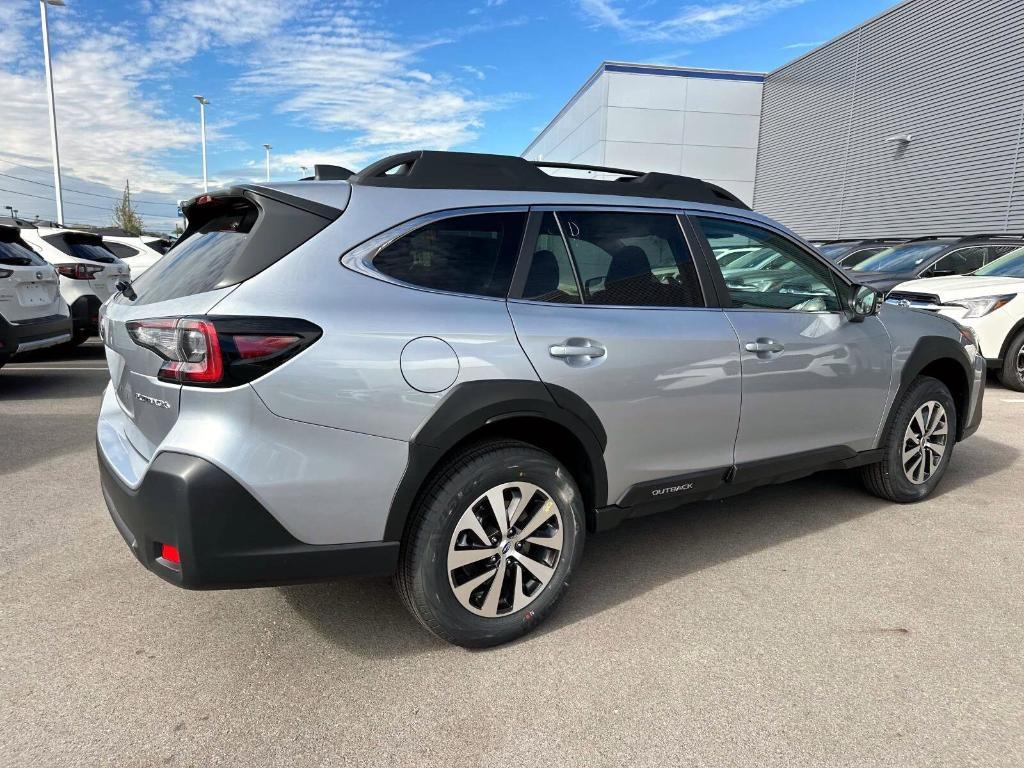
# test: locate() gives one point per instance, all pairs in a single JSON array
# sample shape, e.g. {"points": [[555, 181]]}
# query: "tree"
{"points": [[125, 215]]}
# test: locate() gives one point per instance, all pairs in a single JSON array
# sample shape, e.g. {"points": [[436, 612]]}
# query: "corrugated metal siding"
{"points": [[948, 72]]}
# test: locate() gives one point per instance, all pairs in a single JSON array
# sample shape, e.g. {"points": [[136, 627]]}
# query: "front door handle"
{"points": [[764, 347], [576, 350]]}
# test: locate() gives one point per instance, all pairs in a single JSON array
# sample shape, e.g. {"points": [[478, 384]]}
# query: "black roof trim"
{"points": [[427, 169], [8, 221], [310, 206]]}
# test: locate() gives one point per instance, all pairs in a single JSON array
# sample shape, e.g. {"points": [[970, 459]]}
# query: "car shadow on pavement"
{"points": [[53, 386], [367, 618]]}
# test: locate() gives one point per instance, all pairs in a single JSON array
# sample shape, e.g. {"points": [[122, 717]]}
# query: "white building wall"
{"points": [[698, 123]]}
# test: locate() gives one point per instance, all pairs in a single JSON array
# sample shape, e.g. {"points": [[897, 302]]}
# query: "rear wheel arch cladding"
{"points": [[478, 407]]}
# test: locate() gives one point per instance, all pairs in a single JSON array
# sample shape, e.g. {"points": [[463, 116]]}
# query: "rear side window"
{"points": [[632, 259], [473, 254], [122, 251]]}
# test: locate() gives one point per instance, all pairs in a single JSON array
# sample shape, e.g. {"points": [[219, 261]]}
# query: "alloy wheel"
{"points": [[924, 442], [504, 550]]}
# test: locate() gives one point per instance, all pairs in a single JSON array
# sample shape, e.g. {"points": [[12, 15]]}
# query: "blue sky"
{"points": [[334, 81]]}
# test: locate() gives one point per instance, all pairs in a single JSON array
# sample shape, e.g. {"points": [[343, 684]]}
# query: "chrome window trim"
{"points": [[360, 257]]}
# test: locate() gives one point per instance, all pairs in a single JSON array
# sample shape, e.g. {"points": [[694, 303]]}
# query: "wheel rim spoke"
{"points": [[924, 442], [460, 558], [496, 568], [540, 571]]}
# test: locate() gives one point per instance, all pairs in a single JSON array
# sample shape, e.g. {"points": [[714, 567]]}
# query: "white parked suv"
{"points": [[131, 248], [89, 271], [32, 313], [990, 300]]}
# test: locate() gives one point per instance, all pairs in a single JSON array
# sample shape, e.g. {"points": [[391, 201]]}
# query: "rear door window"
{"points": [[473, 254], [551, 277], [632, 259]]}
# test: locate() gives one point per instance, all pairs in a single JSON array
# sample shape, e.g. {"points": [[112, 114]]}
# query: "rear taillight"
{"points": [[221, 351], [78, 271]]}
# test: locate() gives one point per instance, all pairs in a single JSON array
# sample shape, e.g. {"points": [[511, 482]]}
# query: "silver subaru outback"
{"points": [[452, 367]]}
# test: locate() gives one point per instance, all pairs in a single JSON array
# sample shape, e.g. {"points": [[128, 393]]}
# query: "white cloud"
{"points": [[343, 72], [793, 46], [692, 23], [330, 65]]}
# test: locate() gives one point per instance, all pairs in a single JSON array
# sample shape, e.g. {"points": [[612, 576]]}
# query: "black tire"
{"points": [[887, 478], [1011, 375], [422, 579]]}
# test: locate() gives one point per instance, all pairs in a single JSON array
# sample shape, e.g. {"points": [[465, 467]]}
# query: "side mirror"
{"points": [[866, 302]]}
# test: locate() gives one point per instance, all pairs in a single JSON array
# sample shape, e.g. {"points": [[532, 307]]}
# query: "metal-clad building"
{"points": [[697, 122], [910, 124]]}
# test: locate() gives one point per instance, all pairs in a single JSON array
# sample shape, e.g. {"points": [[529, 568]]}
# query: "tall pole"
{"points": [[268, 148], [203, 101], [53, 113]]}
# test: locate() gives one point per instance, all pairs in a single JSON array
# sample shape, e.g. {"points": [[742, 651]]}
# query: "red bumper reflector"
{"points": [[170, 554]]}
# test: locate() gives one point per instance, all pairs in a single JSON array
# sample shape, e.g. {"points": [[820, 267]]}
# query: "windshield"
{"points": [[902, 258], [1010, 265]]}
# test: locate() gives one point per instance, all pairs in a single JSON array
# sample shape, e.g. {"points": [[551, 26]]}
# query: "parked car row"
{"points": [[53, 281], [977, 280]]}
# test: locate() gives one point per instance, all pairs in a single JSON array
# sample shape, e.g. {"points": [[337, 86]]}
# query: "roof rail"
{"points": [[991, 236], [426, 169]]}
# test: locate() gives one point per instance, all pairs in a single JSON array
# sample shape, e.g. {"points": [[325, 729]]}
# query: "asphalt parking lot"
{"points": [[802, 624]]}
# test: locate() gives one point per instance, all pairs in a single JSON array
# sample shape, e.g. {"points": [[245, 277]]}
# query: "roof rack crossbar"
{"points": [[467, 170]]}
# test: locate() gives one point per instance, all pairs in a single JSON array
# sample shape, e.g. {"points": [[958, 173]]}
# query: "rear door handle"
{"points": [[764, 346], [576, 350]]}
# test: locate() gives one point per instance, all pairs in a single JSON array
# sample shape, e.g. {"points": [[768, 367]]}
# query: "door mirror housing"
{"points": [[866, 302]]}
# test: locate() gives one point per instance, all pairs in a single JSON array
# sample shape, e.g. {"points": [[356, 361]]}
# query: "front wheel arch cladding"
{"points": [[475, 406]]}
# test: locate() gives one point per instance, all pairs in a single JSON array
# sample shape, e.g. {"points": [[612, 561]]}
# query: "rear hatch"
{"points": [[29, 287], [89, 248], [231, 236]]}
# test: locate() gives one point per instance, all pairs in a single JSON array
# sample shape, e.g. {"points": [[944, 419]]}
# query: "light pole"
{"points": [[303, 167], [53, 109], [203, 102], [268, 148]]}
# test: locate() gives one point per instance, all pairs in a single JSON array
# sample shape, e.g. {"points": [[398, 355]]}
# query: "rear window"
{"points": [[14, 252], [82, 246], [231, 238], [198, 262], [465, 254]]}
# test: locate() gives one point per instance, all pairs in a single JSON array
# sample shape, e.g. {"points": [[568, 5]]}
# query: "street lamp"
{"points": [[203, 102], [53, 109], [268, 148], [304, 168]]}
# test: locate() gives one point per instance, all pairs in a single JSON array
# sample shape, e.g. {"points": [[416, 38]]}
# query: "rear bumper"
{"points": [[225, 537], [32, 334]]}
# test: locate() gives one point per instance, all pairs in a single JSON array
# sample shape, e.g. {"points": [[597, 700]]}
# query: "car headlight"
{"points": [[982, 306]]}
